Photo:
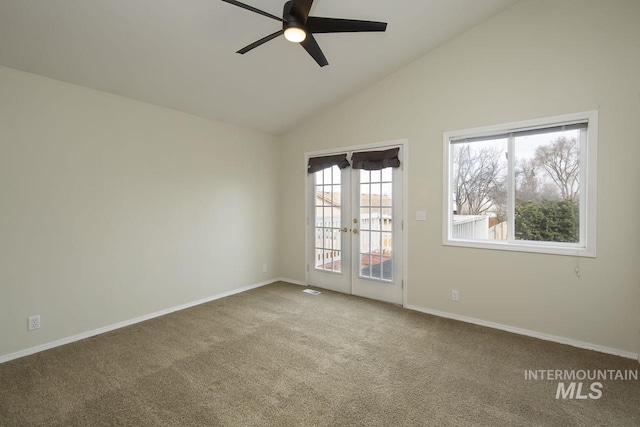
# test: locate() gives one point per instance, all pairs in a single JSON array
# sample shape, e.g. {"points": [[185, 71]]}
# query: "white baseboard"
{"points": [[294, 282], [78, 337], [534, 334]]}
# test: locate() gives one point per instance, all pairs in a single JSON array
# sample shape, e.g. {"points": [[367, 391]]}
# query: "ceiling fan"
{"points": [[299, 27]]}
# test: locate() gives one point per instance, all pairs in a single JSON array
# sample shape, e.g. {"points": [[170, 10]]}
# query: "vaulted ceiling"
{"points": [[181, 54]]}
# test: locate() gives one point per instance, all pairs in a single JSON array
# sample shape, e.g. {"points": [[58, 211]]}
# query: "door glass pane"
{"points": [[376, 225], [319, 238], [365, 218], [365, 191], [326, 195], [375, 240], [386, 244], [327, 175], [319, 260], [387, 173], [385, 200], [364, 241], [328, 219], [376, 267], [365, 266], [387, 268]]}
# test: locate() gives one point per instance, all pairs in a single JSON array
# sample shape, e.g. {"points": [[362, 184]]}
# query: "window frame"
{"points": [[588, 186]]}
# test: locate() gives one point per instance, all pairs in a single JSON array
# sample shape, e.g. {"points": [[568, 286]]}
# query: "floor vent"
{"points": [[312, 292]]}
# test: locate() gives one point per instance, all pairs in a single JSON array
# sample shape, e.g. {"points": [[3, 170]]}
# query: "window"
{"points": [[526, 186]]}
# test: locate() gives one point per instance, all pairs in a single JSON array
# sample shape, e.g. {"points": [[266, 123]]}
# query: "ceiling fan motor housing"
{"points": [[289, 19]]}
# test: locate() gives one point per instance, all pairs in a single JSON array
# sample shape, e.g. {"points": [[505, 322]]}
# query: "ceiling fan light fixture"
{"points": [[295, 34]]}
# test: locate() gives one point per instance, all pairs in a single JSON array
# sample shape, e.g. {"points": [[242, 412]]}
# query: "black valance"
{"points": [[318, 163], [376, 160]]}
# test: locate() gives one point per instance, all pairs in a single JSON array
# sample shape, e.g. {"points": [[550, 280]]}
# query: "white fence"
{"points": [[470, 227]]}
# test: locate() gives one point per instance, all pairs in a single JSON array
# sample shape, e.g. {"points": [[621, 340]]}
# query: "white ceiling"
{"points": [[180, 54]]}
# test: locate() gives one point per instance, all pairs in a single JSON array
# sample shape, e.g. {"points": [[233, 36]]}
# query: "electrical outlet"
{"points": [[264, 268], [455, 296], [34, 322]]}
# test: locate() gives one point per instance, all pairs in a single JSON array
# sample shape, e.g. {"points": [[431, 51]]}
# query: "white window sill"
{"points": [[541, 248]]}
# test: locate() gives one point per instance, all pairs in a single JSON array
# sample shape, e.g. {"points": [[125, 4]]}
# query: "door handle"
{"points": [[345, 230], [355, 231]]}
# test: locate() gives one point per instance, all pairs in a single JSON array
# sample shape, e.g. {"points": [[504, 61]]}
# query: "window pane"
{"points": [[336, 174], [319, 238], [365, 191], [387, 174], [375, 219], [364, 241], [326, 239], [479, 187], [376, 194], [364, 175], [326, 216], [365, 266], [327, 175], [319, 196], [387, 247], [336, 195], [386, 195], [375, 242], [319, 259], [387, 268], [376, 266], [337, 263], [547, 191], [337, 218], [365, 218]]}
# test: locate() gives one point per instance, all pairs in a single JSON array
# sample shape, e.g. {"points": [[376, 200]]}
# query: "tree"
{"points": [[561, 160], [548, 220], [527, 180], [530, 183], [479, 179]]}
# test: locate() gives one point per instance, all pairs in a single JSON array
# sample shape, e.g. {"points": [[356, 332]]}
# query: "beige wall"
{"points": [[536, 59], [112, 209]]}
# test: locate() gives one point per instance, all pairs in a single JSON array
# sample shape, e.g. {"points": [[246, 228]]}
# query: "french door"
{"points": [[355, 222]]}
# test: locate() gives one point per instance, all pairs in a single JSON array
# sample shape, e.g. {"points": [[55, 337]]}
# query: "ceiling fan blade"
{"points": [[317, 24], [311, 45], [298, 8], [252, 9], [301, 9], [259, 42]]}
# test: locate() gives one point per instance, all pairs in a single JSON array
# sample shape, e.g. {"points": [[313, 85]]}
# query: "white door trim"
{"points": [[404, 166]]}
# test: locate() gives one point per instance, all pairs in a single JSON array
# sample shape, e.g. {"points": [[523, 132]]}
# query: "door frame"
{"points": [[404, 166]]}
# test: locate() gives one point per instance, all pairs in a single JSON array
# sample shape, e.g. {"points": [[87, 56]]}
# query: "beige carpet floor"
{"points": [[276, 356]]}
